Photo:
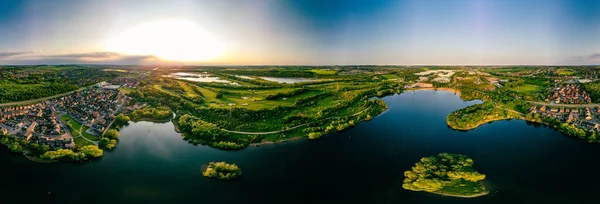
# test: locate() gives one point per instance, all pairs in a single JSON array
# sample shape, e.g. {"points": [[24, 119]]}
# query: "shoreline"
{"points": [[451, 90], [152, 120], [461, 196], [481, 123]]}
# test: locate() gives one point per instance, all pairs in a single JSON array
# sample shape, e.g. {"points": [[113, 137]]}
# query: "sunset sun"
{"points": [[177, 39]]}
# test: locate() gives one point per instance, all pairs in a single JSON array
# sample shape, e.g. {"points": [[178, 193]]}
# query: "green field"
{"points": [[566, 72], [68, 119], [323, 71], [390, 76], [525, 88]]}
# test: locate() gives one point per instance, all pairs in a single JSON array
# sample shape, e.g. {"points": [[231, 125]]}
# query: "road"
{"points": [[42, 99], [591, 105], [297, 126]]}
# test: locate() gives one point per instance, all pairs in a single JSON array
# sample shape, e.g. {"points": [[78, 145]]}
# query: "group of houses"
{"points": [[41, 122], [569, 94], [35, 123], [94, 106], [586, 118]]}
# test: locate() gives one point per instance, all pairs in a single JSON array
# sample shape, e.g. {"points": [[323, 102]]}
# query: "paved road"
{"points": [[297, 126], [591, 105], [42, 99]]}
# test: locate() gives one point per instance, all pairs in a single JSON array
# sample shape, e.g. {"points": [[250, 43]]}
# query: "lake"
{"points": [[524, 163], [288, 80], [198, 77]]}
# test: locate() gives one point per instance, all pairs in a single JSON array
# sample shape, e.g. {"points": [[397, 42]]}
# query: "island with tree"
{"points": [[446, 174], [222, 170]]}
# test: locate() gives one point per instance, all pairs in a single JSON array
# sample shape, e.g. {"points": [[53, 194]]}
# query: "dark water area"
{"points": [[524, 164]]}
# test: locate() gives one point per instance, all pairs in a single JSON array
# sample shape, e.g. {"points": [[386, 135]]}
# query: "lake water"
{"points": [[287, 80], [198, 77], [524, 164]]}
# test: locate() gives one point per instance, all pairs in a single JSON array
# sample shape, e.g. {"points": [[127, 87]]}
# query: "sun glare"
{"points": [[178, 40]]}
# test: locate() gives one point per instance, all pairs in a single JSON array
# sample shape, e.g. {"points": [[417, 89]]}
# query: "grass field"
{"points": [[390, 76], [565, 72], [80, 142], [68, 119], [525, 88], [323, 71]]}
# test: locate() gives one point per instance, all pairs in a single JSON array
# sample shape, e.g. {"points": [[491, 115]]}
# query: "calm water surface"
{"points": [[289, 80], [524, 163]]}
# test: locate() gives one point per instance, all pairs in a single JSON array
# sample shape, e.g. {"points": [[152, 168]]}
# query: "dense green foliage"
{"points": [[198, 131], [450, 174], [222, 170], [112, 134], [472, 116], [106, 143], [594, 90], [158, 113], [90, 151], [22, 83], [63, 154], [121, 120]]}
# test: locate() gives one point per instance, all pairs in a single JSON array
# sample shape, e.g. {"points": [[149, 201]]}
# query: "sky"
{"points": [[302, 32]]}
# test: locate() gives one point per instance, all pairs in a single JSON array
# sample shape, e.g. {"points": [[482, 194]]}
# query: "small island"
{"points": [[222, 170], [446, 174]]}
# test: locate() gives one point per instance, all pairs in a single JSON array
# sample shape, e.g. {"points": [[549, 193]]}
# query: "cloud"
{"points": [[90, 55], [75, 58], [4, 55], [586, 59]]}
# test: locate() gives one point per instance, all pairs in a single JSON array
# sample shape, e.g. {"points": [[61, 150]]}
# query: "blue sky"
{"points": [[311, 32]]}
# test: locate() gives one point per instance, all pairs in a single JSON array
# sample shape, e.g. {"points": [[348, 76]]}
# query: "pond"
{"points": [[524, 163], [198, 77], [287, 80]]}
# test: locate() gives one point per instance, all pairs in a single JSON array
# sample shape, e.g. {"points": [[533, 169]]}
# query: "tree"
{"points": [[222, 170], [121, 119], [16, 148], [112, 134], [91, 151], [103, 142], [314, 135]]}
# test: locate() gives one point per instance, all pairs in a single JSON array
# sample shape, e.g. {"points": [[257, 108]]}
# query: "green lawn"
{"points": [[390, 76], [525, 88], [68, 119], [80, 142], [86, 135], [565, 72]]}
